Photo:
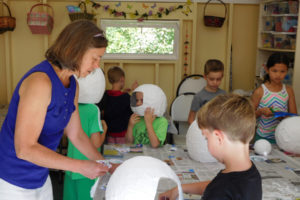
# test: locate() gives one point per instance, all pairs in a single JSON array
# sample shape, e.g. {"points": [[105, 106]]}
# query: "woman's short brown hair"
{"points": [[72, 43], [230, 113]]}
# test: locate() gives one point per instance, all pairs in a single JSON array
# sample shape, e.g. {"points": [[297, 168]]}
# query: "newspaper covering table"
{"points": [[280, 173]]}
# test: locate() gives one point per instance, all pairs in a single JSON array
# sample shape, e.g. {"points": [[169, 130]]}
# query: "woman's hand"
{"points": [[149, 115], [169, 195], [134, 118], [92, 169]]}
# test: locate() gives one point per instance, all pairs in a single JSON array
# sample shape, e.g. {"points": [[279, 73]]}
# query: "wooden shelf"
{"points": [[281, 15], [277, 50], [279, 33]]}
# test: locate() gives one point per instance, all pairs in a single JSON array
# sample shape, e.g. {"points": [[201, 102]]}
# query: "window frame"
{"points": [[146, 23]]}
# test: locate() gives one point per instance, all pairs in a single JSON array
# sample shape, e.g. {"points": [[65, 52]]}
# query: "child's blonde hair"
{"points": [[230, 113], [213, 65], [114, 74]]}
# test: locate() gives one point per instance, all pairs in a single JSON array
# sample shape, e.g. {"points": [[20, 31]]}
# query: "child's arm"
{"points": [[192, 116], [292, 102], [134, 118], [97, 139], [256, 96], [191, 188], [149, 118]]}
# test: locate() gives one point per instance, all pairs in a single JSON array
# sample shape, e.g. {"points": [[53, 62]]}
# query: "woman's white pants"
{"points": [[10, 192]]}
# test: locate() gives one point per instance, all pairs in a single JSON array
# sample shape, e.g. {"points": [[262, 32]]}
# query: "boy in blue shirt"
{"points": [[213, 74]]}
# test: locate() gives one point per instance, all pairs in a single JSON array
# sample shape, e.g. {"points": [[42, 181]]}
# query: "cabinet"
{"points": [[278, 21]]}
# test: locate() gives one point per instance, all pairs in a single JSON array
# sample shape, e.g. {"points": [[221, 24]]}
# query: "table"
{"points": [[280, 173]]}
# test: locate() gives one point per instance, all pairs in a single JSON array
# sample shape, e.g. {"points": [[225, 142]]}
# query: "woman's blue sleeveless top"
{"points": [[23, 173]]}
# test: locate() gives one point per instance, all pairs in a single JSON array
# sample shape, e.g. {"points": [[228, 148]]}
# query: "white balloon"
{"points": [[154, 97], [138, 178], [197, 145], [91, 87], [262, 147], [287, 135]]}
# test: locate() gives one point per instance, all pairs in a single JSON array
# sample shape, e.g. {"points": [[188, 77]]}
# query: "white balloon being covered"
{"points": [[262, 147], [91, 87], [153, 96], [197, 145], [138, 178], [287, 135]]}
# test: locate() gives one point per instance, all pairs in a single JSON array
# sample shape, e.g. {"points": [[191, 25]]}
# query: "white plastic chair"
{"points": [[179, 112], [192, 83]]}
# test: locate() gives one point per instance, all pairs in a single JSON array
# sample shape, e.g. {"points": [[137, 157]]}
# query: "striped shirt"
{"points": [[278, 101]]}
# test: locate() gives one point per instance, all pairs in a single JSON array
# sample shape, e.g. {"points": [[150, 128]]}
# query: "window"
{"points": [[130, 39]]}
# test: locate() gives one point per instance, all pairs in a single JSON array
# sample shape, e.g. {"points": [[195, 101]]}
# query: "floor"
{"points": [[57, 184]]}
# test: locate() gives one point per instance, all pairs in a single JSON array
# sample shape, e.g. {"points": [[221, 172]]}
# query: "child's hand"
{"points": [[134, 118], [134, 85], [169, 195], [149, 115], [266, 112]]}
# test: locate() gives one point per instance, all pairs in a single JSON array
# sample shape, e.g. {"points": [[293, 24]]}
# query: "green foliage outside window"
{"points": [[136, 40]]}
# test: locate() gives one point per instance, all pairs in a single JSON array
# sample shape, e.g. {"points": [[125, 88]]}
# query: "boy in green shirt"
{"points": [[147, 124], [77, 186]]}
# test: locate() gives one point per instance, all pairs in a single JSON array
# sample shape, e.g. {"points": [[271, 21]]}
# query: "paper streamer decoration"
{"points": [[197, 145], [262, 147], [150, 10], [153, 96], [287, 135], [138, 178], [91, 87]]}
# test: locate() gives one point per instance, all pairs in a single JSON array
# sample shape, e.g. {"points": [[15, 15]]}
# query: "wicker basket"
{"points": [[81, 15], [40, 22], [214, 21], [7, 23]]}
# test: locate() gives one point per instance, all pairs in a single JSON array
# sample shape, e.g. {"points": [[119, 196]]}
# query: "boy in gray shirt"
{"points": [[213, 74]]}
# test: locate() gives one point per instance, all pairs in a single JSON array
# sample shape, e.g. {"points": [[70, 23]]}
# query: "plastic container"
{"points": [[278, 24], [283, 7], [282, 41], [293, 7], [267, 40], [272, 8], [286, 23], [268, 24], [292, 39], [289, 24]]}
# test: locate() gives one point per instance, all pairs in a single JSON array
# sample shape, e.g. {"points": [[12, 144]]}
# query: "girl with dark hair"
{"points": [[273, 96]]}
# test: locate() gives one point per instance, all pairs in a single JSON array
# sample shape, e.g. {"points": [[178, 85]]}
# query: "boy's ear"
{"points": [[219, 135], [122, 78]]}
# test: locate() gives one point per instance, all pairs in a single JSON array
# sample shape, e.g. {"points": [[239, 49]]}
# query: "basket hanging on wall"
{"points": [[81, 15], [7, 23], [40, 22], [214, 21]]}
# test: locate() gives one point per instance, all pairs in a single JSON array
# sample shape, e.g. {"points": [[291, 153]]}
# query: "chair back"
{"points": [[192, 83]]}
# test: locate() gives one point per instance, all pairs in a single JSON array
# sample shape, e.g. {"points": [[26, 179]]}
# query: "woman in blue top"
{"points": [[44, 105]]}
